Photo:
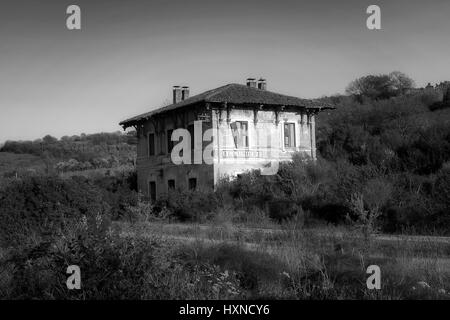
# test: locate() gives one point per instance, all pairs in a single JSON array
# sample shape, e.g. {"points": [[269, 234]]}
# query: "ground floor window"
{"points": [[192, 183], [152, 190], [171, 184]]}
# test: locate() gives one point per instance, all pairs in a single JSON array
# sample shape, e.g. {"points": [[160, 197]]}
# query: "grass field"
{"points": [[294, 262]]}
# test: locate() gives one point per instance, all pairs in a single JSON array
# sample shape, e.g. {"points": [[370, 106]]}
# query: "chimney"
{"points": [[184, 93], [176, 94], [251, 82], [262, 84]]}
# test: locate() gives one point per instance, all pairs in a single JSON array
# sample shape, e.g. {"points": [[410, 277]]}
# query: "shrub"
{"points": [[256, 271], [40, 206], [145, 211], [189, 205], [118, 191], [251, 188], [282, 209], [439, 105], [366, 219], [111, 267]]}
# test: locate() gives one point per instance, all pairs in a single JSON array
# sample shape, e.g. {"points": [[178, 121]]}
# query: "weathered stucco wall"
{"points": [[159, 167], [265, 144], [265, 140]]}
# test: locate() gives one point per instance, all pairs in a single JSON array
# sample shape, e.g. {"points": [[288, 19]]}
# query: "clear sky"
{"points": [[130, 53]]}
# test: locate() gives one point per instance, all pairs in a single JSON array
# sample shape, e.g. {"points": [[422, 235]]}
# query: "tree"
{"points": [[49, 139], [400, 82], [381, 86], [372, 86]]}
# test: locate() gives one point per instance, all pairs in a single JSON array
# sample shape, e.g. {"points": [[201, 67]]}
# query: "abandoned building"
{"points": [[241, 118]]}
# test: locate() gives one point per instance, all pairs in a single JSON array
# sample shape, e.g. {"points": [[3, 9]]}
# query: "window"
{"points": [[169, 141], [192, 183], [152, 190], [161, 143], [191, 132], [289, 135], [171, 184], [151, 144], [240, 134]]}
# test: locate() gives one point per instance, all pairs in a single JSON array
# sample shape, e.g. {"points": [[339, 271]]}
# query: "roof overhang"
{"points": [[222, 105]]}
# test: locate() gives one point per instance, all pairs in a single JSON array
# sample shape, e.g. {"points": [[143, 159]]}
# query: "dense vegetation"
{"points": [[392, 155], [384, 165], [36, 207], [396, 146]]}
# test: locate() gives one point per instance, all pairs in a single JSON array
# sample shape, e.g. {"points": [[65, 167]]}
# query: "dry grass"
{"points": [[317, 263]]}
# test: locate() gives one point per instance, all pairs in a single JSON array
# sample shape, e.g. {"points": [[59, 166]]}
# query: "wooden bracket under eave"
{"points": [[255, 113], [277, 115], [228, 108]]}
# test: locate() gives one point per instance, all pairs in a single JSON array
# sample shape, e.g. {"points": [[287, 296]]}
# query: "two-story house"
{"points": [[249, 128]]}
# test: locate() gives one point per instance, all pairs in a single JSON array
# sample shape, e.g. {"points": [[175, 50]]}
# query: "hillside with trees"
{"points": [[68, 154], [385, 145], [308, 232]]}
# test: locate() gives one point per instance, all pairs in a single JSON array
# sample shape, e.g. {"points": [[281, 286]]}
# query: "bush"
{"points": [[439, 105], [34, 207], [119, 192], [112, 267], [283, 209], [401, 200], [256, 271], [39, 206], [189, 205]]}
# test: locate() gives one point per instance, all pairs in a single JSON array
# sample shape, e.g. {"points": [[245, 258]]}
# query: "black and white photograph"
{"points": [[236, 152]]}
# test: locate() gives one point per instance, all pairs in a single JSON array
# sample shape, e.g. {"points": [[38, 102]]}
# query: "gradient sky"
{"points": [[128, 54]]}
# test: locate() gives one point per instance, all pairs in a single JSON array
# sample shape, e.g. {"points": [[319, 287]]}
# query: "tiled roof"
{"points": [[235, 94]]}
